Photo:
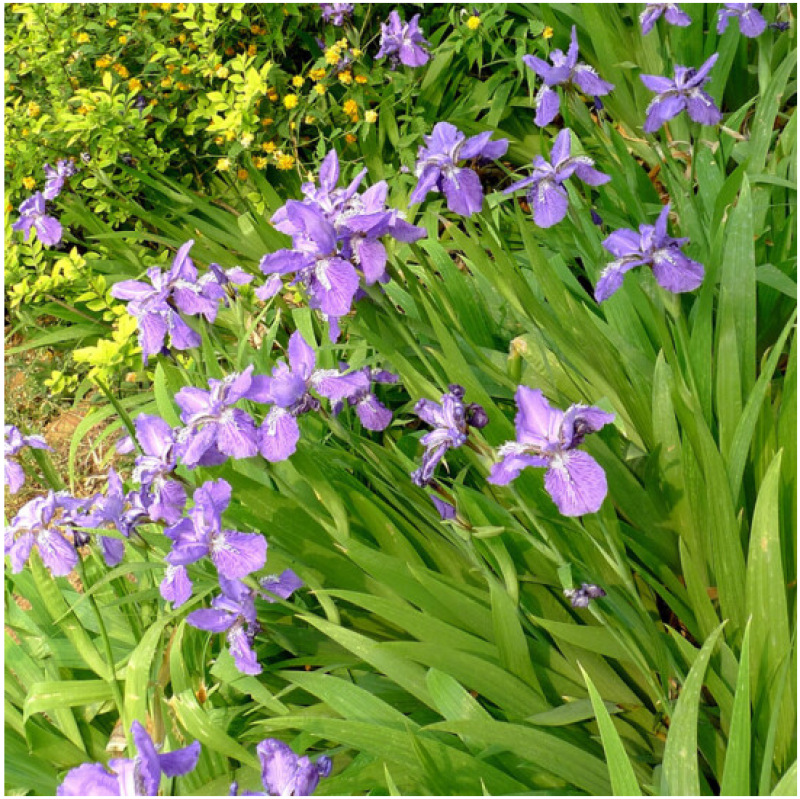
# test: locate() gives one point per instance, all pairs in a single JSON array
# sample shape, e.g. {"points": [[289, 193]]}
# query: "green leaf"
{"points": [[681, 774], [736, 774], [620, 770], [47, 696]]}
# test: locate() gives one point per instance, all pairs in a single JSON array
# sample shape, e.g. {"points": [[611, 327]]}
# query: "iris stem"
{"points": [[115, 689]]}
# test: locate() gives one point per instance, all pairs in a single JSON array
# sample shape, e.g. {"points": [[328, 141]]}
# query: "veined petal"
{"points": [[576, 483]]}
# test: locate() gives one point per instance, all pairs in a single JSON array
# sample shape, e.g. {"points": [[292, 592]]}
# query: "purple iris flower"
{"points": [[336, 13], [234, 612], [109, 510], [176, 587], [214, 428], [47, 523], [166, 497], [138, 777], [581, 597], [156, 305], [565, 71], [671, 12], [683, 93], [652, 246], [451, 420], [547, 196], [374, 415], [339, 235], [751, 23], [288, 391], [315, 260], [284, 773], [446, 510], [549, 437], [403, 42], [32, 214], [15, 441], [55, 177], [201, 534], [437, 167]]}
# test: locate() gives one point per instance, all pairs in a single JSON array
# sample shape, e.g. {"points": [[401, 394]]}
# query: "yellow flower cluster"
{"points": [[350, 108]]}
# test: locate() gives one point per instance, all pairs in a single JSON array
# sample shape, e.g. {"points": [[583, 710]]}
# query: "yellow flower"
{"points": [[259, 162], [104, 62], [285, 162], [292, 125], [547, 33], [182, 38], [371, 116], [255, 29], [272, 95], [346, 77], [356, 52], [223, 72], [186, 70], [223, 165], [267, 121], [166, 82], [112, 23], [181, 6], [320, 89], [290, 101], [317, 74], [350, 138], [165, 6], [350, 107], [83, 38], [309, 120], [121, 70], [218, 140], [269, 147], [28, 182], [229, 51], [134, 84], [34, 110], [170, 68], [298, 81], [230, 135], [361, 79], [246, 140], [332, 56], [242, 174], [342, 44], [83, 110], [474, 22], [252, 50], [74, 82], [123, 40], [184, 87]]}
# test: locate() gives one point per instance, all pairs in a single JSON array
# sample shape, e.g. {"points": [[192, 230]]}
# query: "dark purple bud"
{"points": [[456, 390], [596, 218], [779, 26], [477, 416], [598, 104]]}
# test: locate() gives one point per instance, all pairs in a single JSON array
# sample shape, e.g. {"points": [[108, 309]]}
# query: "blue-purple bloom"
{"points": [[284, 773], [451, 420], [581, 597], [547, 196], [55, 177], [201, 534], [288, 391], [156, 305], [165, 497], [437, 167], [548, 437], [215, 429], [654, 247], [751, 23], [671, 12], [374, 415], [48, 524], [335, 234], [684, 92], [403, 42], [566, 71], [336, 13], [446, 510], [13, 444], [33, 214], [233, 612], [140, 776]]}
